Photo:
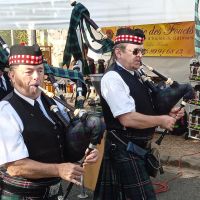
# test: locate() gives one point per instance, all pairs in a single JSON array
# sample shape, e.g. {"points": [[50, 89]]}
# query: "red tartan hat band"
{"points": [[25, 60], [25, 55], [129, 39], [128, 35]]}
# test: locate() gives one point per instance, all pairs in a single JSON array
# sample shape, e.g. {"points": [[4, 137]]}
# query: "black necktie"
{"points": [[39, 111], [1, 84], [37, 107]]}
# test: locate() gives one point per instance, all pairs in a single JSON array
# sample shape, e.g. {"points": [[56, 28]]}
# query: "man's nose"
{"points": [[35, 75], [139, 54]]}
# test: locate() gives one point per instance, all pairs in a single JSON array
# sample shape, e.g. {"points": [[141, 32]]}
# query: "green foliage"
{"points": [[19, 36]]}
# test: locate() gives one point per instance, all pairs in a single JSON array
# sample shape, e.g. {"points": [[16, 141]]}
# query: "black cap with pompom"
{"points": [[25, 55], [128, 35]]}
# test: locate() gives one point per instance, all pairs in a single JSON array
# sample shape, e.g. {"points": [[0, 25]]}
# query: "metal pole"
{"points": [[33, 37], [12, 37], [83, 194]]}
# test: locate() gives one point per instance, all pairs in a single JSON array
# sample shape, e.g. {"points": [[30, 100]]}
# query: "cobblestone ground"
{"points": [[178, 146]]}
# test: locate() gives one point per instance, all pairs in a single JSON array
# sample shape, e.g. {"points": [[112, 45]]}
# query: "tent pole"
{"points": [[12, 37], [33, 37]]}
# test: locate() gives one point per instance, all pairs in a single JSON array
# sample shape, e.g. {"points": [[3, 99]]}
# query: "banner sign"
{"points": [[168, 39]]}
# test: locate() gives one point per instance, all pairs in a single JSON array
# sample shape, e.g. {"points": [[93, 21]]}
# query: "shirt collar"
{"points": [[29, 100], [130, 71], [2, 77]]}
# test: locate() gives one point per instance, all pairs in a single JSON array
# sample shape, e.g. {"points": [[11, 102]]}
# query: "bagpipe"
{"points": [[84, 129], [167, 95]]}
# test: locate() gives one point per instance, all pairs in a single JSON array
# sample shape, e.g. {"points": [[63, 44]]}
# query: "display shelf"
{"points": [[193, 133], [194, 111], [194, 103], [195, 81]]}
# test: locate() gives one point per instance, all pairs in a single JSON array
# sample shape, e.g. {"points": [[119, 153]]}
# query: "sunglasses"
{"points": [[136, 51]]}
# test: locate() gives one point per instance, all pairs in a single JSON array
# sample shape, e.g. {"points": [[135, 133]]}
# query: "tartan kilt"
{"points": [[27, 190], [122, 176]]}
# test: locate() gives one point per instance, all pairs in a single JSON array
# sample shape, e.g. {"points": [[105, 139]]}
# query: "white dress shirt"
{"points": [[117, 93]]}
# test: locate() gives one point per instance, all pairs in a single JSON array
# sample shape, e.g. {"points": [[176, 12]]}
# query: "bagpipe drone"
{"points": [[165, 98]]}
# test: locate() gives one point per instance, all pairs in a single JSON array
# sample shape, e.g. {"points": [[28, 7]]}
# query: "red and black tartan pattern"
{"points": [[25, 60], [26, 185], [9, 196], [129, 38], [122, 176]]}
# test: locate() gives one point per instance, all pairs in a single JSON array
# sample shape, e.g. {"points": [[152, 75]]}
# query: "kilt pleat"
{"points": [[122, 176]]}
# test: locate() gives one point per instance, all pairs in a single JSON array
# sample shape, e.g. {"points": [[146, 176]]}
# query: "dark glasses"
{"points": [[136, 51]]}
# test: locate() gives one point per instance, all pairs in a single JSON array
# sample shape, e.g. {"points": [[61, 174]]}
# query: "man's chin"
{"points": [[35, 92], [138, 63], [136, 66]]}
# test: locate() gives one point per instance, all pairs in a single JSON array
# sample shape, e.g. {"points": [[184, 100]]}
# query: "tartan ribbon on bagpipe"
{"points": [[63, 73], [197, 29], [72, 45], [3, 57]]}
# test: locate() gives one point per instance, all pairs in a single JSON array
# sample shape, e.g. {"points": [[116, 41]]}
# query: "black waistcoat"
{"points": [[44, 140], [143, 104]]}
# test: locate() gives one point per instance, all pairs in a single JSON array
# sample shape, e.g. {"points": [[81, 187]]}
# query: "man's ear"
{"points": [[118, 52], [11, 74]]}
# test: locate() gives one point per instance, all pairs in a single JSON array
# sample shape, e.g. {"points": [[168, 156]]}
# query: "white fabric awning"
{"points": [[55, 14]]}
